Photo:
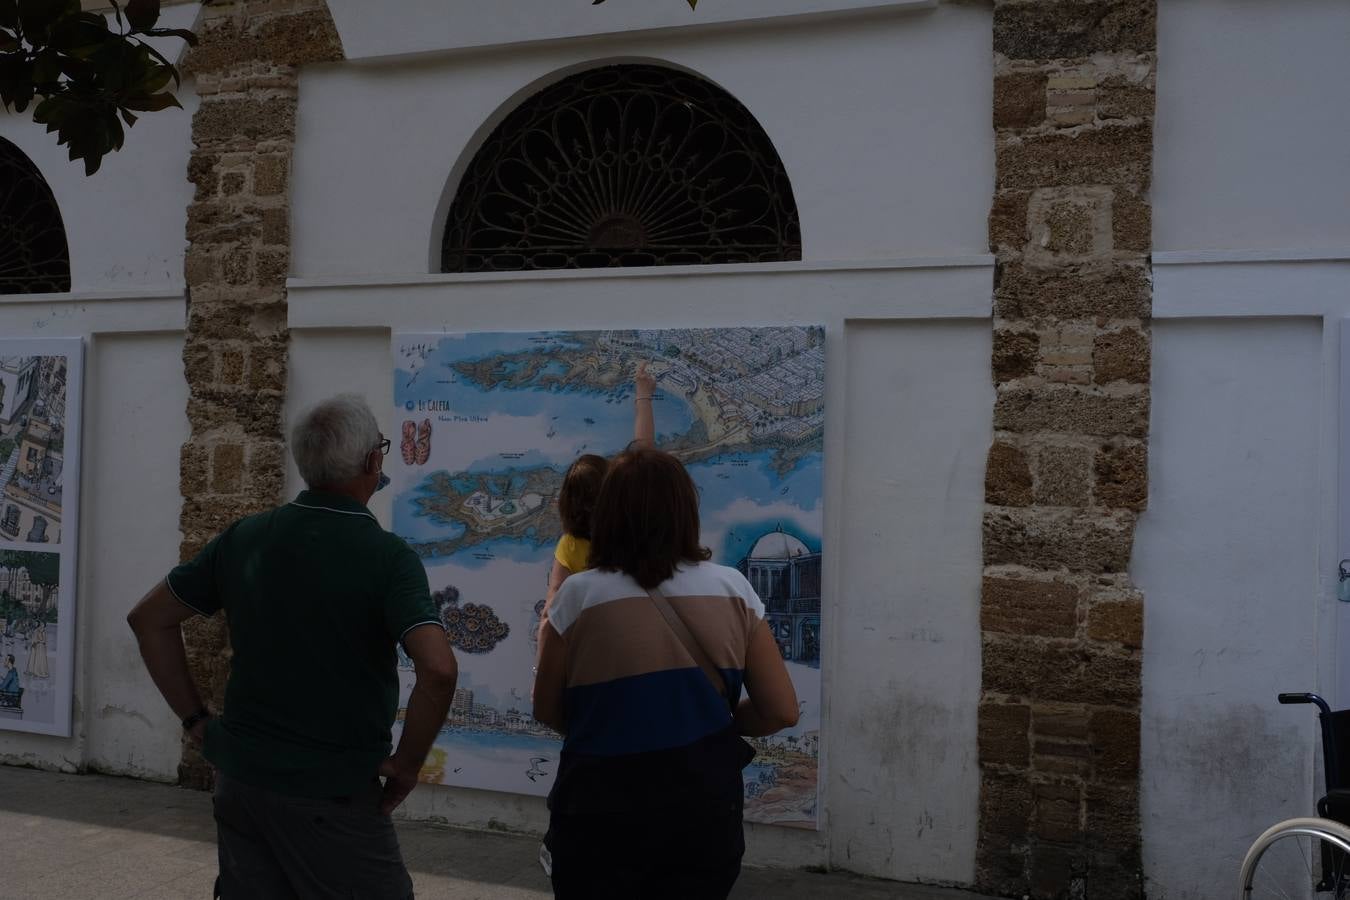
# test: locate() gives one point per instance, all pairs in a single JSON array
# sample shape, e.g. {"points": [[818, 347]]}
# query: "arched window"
{"points": [[628, 165], [34, 257]]}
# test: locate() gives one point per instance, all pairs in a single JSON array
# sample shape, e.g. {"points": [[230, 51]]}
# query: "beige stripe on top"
{"points": [[627, 637]]}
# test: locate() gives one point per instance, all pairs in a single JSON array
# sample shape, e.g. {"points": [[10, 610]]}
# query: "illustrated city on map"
{"points": [[39, 476], [487, 426]]}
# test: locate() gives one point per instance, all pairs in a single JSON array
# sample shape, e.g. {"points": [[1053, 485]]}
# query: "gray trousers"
{"points": [[276, 847]]}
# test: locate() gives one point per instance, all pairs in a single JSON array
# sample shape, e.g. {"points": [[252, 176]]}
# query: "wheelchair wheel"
{"points": [[1298, 858]]}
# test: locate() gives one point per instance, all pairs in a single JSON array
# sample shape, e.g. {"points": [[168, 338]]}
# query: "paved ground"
{"points": [[91, 837]]}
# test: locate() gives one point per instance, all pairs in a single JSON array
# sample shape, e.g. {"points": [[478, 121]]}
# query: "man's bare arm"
{"points": [[428, 703], [156, 622]]}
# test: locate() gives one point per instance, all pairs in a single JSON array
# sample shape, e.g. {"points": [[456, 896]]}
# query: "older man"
{"points": [[317, 596]]}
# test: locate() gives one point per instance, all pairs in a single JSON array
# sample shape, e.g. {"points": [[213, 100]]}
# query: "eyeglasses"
{"points": [[383, 446]]}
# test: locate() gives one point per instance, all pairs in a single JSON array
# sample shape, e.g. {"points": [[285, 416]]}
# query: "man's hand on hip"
{"points": [[398, 784]]}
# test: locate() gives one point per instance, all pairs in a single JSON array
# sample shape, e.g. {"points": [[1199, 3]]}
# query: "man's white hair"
{"points": [[330, 443]]}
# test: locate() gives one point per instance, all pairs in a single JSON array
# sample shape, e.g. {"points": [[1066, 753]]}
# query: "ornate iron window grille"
{"points": [[34, 256], [630, 165]]}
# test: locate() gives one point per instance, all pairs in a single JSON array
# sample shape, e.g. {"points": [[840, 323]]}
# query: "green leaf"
{"points": [[183, 33], [38, 16], [78, 31], [115, 131], [90, 80], [16, 81], [151, 102], [142, 14], [46, 68], [164, 60], [51, 110], [154, 79], [90, 131]]}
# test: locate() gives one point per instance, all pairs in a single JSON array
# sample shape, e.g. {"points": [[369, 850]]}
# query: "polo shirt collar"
{"points": [[336, 503]]}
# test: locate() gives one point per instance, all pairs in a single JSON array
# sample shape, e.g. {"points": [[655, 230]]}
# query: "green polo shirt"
{"points": [[317, 594]]}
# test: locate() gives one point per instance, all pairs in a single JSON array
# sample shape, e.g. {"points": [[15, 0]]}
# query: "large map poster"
{"points": [[487, 426], [39, 483]]}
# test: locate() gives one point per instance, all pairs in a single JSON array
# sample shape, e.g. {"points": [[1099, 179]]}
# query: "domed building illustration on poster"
{"points": [[785, 573]]}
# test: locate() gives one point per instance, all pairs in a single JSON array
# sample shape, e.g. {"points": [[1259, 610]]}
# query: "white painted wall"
{"points": [[368, 30], [135, 395], [904, 687], [125, 225], [1236, 552], [1227, 557], [133, 426], [1251, 144], [886, 159], [907, 428]]}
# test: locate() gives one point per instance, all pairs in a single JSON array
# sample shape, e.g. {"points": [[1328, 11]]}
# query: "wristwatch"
{"points": [[191, 721]]}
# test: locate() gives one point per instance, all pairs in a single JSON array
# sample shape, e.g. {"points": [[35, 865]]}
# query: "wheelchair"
{"points": [[1309, 857]]}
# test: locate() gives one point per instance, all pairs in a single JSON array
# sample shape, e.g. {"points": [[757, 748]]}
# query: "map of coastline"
{"points": [[749, 390], [746, 389]]}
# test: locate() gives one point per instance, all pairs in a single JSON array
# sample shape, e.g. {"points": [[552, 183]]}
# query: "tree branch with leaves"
{"points": [[87, 77]]}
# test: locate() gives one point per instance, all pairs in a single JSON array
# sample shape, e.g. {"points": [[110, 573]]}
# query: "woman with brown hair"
{"points": [[641, 663]]}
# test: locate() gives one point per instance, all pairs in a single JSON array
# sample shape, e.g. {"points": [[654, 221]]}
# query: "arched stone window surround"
{"points": [[699, 185], [34, 252]]}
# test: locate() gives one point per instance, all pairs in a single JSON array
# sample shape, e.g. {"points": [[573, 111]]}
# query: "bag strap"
{"points": [[687, 638]]}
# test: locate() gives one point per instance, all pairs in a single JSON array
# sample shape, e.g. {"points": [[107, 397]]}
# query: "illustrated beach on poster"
{"points": [[487, 425]]}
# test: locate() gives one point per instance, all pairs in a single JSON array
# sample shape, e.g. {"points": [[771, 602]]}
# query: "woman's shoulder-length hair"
{"points": [[645, 521]]}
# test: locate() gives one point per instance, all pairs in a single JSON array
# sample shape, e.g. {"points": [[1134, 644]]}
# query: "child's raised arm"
{"points": [[644, 421]]}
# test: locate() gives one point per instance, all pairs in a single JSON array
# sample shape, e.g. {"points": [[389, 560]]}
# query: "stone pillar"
{"points": [[238, 233], [1067, 472]]}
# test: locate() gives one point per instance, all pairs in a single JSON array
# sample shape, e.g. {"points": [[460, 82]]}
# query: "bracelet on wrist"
{"points": [[648, 397]]}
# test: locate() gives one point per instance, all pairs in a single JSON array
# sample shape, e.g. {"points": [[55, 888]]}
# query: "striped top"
{"points": [[632, 687]]}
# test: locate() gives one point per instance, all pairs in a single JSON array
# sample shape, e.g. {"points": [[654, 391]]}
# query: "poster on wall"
{"points": [[39, 487], [488, 424]]}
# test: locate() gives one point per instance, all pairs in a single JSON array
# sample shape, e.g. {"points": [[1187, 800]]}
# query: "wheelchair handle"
{"points": [[1306, 698]]}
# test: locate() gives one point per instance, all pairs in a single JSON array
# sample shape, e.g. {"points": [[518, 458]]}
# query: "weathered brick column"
{"points": [[1067, 472], [238, 255]]}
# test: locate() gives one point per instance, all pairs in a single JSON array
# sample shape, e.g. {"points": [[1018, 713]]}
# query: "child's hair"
{"points": [[580, 487]]}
